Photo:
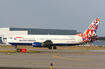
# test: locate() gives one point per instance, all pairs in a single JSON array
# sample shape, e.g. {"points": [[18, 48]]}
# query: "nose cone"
{"points": [[8, 40]]}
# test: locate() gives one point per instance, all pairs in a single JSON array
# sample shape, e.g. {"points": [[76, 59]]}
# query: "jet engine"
{"points": [[37, 44]]}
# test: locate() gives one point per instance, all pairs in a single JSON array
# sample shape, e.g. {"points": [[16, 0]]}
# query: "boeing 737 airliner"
{"points": [[57, 40]]}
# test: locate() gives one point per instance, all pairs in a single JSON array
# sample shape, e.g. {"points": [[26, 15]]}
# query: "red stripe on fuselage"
{"points": [[18, 37]]}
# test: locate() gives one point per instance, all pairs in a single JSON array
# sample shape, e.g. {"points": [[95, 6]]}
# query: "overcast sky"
{"points": [[53, 14]]}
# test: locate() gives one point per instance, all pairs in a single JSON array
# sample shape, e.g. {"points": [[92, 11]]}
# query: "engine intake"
{"points": [[37, 44]]}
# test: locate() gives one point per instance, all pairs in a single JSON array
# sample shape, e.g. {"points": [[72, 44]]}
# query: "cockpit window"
{"points": [[11, 37]]}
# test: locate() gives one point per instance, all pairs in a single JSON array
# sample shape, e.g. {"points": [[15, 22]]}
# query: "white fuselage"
{"points": [[56, 39]]}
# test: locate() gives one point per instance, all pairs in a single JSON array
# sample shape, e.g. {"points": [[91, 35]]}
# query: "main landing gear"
{"points": [[54, 47], [50, 47]]}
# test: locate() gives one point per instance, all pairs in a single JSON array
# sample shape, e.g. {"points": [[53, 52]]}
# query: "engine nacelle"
{"points": [[36, 44]]}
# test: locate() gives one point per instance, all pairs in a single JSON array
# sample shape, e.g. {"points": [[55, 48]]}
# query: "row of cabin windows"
{"points": [[43, 39]]}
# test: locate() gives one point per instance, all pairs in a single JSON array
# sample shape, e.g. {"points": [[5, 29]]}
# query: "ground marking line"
{"points": [[70, 58]]}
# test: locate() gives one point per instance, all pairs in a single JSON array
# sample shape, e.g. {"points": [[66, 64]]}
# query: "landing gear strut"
{"points": [[16, 47]]}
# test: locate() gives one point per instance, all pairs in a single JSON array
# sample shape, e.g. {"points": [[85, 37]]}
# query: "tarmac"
{"points": [[61, 59]]}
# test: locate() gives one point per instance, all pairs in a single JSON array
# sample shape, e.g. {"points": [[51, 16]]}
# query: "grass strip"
{"points": [[14, 51]]}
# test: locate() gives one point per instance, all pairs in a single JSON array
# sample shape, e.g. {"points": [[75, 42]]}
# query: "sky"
{"points": [[52, 14]]}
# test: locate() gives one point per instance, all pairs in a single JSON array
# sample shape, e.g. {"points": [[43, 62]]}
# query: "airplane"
{"points": [[57, 40]]}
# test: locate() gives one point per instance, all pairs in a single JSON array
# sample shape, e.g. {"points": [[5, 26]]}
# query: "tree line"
{"points": [[101, 38]]}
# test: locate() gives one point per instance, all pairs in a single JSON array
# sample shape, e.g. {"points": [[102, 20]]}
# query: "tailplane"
{"points": [[90, 33]]}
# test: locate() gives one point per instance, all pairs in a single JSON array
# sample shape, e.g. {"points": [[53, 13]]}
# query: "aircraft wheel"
{"points": [[54, 47], [50, 47]]}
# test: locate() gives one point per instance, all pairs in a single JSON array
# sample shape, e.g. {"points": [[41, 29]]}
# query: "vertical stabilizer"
{"points": [[90, 32]]}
